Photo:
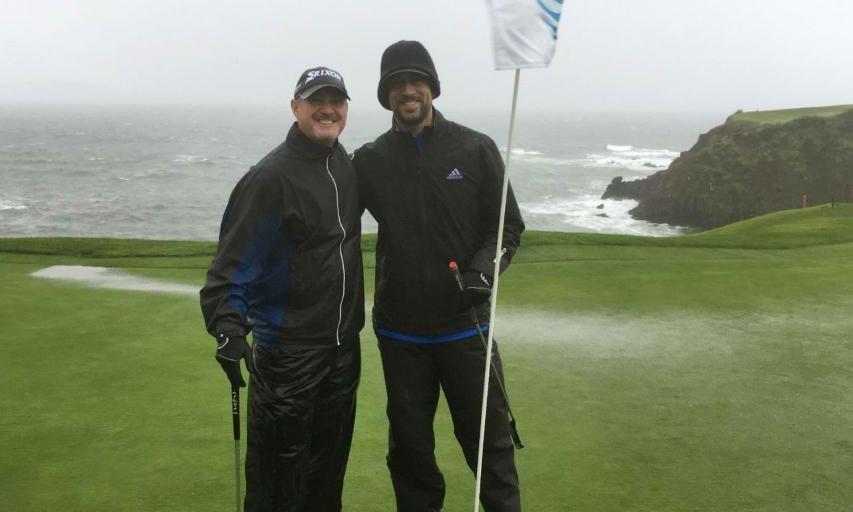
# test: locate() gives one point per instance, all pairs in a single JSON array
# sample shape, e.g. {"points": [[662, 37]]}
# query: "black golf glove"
{"points": [[229, 351], [478, 289]]}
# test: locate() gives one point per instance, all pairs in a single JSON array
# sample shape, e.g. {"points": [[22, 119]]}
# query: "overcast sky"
{"points": [[625, 55]]}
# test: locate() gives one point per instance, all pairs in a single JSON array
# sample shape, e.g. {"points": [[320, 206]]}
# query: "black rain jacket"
{"points": [[437, 199], [288, 266]]}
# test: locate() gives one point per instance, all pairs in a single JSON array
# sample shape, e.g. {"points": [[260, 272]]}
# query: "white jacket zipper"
{"points": [[340, 250]]}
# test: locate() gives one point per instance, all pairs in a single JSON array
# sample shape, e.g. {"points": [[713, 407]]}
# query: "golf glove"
{"points": [[478, 289], [229, 351]]}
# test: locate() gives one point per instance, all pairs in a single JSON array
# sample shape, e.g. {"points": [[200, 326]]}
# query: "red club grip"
{"points": [[454, 269]]}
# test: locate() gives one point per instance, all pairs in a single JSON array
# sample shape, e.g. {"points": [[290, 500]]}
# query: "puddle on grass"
{"points": [[112, 279]]}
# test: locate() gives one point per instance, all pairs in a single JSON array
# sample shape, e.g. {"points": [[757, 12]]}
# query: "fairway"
{"points": [[711, 372]]}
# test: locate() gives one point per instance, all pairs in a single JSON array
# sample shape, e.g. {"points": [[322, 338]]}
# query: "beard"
{"points": [[412, 120]]}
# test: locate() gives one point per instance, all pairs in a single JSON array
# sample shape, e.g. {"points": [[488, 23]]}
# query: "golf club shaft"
{"points": [[516, 439], [494, 368], [237, 471], [235, 416]]}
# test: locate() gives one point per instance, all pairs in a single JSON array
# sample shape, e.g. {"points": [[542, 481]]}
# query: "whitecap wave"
{"points": [[151, 173], [635, 159], [520, 151], [599, 215], [614, 147], [12, 205], [191, 159]]}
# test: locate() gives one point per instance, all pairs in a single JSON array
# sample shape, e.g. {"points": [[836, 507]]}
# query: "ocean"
{"points": [[166, 172]]}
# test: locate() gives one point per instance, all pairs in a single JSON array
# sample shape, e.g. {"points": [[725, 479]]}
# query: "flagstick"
{"points": [[495, 296]]}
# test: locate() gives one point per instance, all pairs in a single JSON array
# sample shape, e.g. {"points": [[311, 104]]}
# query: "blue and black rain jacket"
{"points": [[288, 265]]}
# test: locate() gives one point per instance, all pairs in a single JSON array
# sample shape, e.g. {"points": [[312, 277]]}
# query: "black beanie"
{"points": [[403, 56]]}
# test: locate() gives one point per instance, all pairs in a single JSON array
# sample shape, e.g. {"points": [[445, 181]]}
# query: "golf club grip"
{"points": [[454, 269], [235, 411]]}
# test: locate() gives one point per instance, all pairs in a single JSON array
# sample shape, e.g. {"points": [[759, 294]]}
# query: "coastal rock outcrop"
{"points": [[743, 169]]}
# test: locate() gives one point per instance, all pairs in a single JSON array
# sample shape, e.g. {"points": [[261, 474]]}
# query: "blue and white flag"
{"points": [[524, 32]]}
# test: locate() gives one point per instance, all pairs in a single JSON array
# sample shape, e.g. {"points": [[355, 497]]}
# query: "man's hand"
{"points": [[229, 351], [478, 289]]}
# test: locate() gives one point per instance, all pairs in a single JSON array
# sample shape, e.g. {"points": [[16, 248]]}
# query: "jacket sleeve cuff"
{"points": [[230, 330]]}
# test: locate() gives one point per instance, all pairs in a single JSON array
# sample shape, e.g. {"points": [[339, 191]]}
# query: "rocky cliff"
{"points": [[742, 169]]}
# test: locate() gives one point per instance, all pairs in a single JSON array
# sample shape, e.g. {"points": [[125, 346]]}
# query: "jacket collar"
{"points": [[438, 122], [305, 147]]}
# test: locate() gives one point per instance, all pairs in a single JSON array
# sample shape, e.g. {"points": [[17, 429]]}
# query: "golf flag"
{"points": [[524, 32]]}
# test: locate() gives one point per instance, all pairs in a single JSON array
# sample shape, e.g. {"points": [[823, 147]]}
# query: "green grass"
{"points": [[818, 225], [783, 116], [709, 372]]}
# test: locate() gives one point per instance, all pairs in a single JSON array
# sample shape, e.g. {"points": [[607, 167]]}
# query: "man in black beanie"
{"points": [[434, 187]]}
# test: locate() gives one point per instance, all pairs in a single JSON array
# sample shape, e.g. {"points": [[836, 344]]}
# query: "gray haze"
{"points": [[629, 55]]}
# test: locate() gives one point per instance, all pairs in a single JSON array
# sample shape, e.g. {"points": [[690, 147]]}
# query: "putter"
{"points": [[235, 416], [516, 439]]}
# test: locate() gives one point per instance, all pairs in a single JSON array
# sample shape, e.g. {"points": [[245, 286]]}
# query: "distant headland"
{"points": [[755, 163]]}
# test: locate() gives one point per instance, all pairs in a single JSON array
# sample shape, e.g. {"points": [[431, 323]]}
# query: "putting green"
{"points": [[710, 372]]}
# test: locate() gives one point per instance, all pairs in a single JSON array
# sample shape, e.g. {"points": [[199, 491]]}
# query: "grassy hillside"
{"points": [[706, 373], [783, 116]]}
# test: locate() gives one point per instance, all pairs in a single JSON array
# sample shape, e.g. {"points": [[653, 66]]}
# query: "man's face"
{"points": [[410, 98], [322, 116]]}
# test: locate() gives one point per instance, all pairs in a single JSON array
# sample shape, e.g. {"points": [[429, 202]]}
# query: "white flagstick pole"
{"points": [[494, 298]]}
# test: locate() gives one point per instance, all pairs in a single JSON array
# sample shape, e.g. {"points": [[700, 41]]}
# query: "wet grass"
{"points": [[646, 374], [811, 227]]}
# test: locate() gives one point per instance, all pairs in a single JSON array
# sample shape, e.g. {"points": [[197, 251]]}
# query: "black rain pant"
{"points": [[414, 372], [301, 417]]}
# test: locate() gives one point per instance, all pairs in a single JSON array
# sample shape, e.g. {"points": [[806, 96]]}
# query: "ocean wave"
{"points": [[12, 205], [150, 173], [634, 164], [635, 159], [613, 147], [131, 159], [27, 161], [631, 151], [534, 158], [192, 159], [520, 151], [599, 215]]}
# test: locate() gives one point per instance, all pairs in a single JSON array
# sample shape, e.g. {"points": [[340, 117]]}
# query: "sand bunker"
{"points": [[113, 279]]}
